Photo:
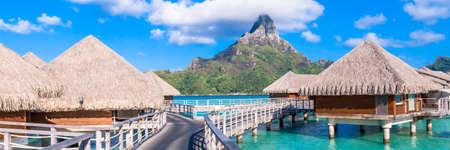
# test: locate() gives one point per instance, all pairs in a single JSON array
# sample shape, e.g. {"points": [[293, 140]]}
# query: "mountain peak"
{"points": [[266, 22]]}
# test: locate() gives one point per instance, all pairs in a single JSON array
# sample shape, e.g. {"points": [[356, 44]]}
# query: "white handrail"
{"points": [[137, 130]]}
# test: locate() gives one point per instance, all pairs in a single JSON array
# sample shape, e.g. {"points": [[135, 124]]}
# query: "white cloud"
{"points": [[384, 42], [179, 38], [221, 18], [21, 26], [337, 38], [418, 38], [368, 21], [428, 11], [49, 20], [315, 25], [225, 19], [102, 20], [310, 37], [75, 9], [156, 33], [52, 20], [135, 8], [424, 37], [141, 54]]}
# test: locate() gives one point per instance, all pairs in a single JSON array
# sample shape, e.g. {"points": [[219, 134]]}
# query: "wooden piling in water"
{"points": [[269, 125], [429, 125], [255, 132], [331, 130], [239, 139], [413, 128]]}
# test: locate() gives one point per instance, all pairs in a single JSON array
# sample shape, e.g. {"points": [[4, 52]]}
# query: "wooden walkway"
{"points": [[175, 136]]}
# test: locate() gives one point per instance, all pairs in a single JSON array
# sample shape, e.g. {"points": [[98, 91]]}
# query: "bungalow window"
{"points": [[411, 102], [398, 100]]}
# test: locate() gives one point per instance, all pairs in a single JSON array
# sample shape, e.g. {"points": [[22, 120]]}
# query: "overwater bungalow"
{"points": [[23, 86], [437, 77], [97, 84], [167, 90], [288, 85], [369, 86], [31, 58]]}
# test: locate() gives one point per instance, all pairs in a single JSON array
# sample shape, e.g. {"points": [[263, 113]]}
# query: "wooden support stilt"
{"points": [[293, 118], [306, 116], [269, 126], [255, 132], [281, 122], [413, 128], [386, 133], [239, 139], [336, 128], [429, 125], [331, 130], [386, 136]]}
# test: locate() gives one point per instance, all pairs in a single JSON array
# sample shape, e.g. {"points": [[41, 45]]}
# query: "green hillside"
{"points": [[442, 64], [256, 60]]}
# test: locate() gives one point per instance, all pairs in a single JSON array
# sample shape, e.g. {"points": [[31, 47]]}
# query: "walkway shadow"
{"points": [[197, 141]]}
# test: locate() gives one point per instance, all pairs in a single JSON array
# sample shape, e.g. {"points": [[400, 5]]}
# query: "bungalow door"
{"points": [[382, 105]]}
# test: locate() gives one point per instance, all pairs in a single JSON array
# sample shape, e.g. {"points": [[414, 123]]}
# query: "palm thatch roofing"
{"points": [[368, 70], [437, 77], [97, 78], [31, 58], [22, 83], [288, 83], [167, 89]]}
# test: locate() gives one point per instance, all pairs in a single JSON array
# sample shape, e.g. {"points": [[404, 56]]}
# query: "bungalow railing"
{"points": [[72, 138], [441, 105], [234, 120], [209, 102], [196, 109], [127, 134]]}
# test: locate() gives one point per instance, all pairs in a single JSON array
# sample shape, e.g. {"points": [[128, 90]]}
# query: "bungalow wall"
{"points": [[74, 118], [345, 104], [20, 116], [365, 104]]}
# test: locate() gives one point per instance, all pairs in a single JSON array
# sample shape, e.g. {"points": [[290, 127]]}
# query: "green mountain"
{"points": [[442, 63], [258, 58]]}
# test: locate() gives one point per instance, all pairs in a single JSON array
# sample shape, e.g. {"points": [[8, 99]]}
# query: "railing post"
{"points": [[129, 137], [107, 139], [139, 130], [7, 141], [53, 136], [98, 139], [146, 127], [121, 138], [224, 129]]}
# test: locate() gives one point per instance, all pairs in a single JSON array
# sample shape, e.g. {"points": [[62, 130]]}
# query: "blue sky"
{"points": [[161, 34]]}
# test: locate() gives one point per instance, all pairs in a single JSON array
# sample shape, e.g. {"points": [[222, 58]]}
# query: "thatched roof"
{"points": [[368, 70], [288, 83], [167, 89], [100, 79], [31, 58], [438, 77], [23, 83]]}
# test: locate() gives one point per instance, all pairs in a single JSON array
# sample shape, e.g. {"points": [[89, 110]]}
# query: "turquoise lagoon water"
{"points": [[313, 134], [217, 100]]}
